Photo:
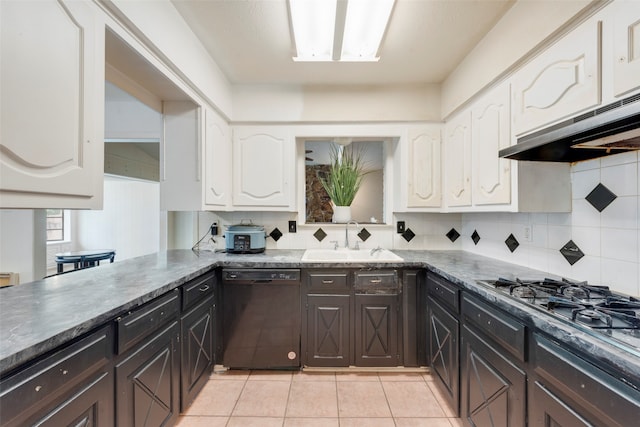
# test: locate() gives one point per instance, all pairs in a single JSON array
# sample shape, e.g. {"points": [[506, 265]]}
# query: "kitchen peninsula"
{"points": [[47, 317]]}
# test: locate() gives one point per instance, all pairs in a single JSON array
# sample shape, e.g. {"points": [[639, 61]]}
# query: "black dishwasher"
{"points": [[261, 318]]}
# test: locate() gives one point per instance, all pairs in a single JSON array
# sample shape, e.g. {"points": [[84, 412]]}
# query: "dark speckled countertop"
{"points": [[39, 316]]}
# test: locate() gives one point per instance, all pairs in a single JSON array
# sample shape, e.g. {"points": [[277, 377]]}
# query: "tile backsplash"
{"points": [[597, 241], [429, 231], [600, 236]]}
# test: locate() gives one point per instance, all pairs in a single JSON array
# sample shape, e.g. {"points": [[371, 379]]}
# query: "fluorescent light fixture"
{"points": [[339, 30]]}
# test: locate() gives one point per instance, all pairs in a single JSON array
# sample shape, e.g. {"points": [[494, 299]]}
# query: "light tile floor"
{"points": [[327, 399]]}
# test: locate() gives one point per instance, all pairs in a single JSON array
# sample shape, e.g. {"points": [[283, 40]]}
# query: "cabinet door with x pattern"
{"points": [[328, 329]]}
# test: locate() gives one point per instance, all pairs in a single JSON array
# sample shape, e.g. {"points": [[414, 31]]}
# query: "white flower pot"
{"points": [[341, 214]]}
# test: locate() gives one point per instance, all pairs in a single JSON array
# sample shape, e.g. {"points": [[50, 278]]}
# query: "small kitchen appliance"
{"points": [[245, 238]]}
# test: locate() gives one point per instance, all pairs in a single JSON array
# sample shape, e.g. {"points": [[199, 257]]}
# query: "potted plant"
{"points": [[343, 180]]}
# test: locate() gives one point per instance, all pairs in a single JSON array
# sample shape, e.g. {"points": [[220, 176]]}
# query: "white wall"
{"points": [[129, 222], [430, 231], [609, 239], [159, 22], [520, 30], [22, 243], [276, 103]]}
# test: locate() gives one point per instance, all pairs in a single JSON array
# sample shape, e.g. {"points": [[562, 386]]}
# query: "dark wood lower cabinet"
{"points": [[197, 351], [328, 329], [569, 391], [444, 353], [377, 330], [73, 386], [147, 381], [493, 388], [552, 411], [90, 404]]}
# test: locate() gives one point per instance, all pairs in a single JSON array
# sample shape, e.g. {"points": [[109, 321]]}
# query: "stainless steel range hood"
{"points": [[611, 129]]}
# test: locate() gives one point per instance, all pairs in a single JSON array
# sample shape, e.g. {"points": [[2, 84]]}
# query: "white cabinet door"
{"points": [[490, 132], [217, 161], [626, 47], [263, 167], [424, 187], [52, 104], [562, 81], [180, 158], [457, 160]]}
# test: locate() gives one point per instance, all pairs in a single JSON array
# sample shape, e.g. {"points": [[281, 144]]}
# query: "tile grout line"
{"points": [[237, 400], [286, 406]]}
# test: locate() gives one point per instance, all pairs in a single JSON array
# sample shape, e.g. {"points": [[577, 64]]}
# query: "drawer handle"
{"points": [[38, 387], [375, 281], [204, 288], [327, 281]]}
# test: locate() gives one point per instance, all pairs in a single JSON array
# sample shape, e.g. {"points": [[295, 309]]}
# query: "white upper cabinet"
{"points": [[263, 168], [457, 160], [423, 181], [626, 46], [560, 82], [217, 161], [195, 158], [180, 160], [490, 132], [52, 104]]}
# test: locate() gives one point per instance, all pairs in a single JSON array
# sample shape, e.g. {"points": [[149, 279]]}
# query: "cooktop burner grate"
{"points": [[595, 308]]}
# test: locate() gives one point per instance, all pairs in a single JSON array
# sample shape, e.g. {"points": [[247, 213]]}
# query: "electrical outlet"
{"points": [[527, 233], [400, 227], [214, 229], [292, 227]]}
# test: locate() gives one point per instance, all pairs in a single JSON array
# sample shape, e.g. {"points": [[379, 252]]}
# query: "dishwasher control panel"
{"points": [[261, 275]]}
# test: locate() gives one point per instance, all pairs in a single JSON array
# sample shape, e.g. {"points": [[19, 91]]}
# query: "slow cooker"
{"points": [[245, 238]]}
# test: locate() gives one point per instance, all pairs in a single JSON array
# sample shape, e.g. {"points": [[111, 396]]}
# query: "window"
{"points": [[55, 225]]}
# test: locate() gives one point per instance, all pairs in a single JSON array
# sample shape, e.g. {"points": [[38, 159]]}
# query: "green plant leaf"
{"points": [[343, 180]]}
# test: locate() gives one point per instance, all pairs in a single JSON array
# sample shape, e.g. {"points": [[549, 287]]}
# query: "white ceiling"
{"points": [[425, 41]]}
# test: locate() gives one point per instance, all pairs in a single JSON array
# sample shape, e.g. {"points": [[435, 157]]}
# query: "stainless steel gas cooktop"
{"points": [[605, 314]]}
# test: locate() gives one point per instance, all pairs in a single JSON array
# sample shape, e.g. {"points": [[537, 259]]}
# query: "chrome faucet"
{"points": [[346, 233]]}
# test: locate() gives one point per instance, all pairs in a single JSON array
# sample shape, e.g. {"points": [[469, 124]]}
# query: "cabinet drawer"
{"points": [[328, 281], [377, 281], [46, 379], [609, 400], [443, 291], [197, 290], [500, 327], [137, 325]]}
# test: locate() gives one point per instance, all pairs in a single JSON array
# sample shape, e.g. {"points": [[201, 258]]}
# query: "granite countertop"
{"points": [[39, 316]]}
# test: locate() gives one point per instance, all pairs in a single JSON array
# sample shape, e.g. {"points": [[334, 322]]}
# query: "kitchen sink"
{"points": [[350, 255]]}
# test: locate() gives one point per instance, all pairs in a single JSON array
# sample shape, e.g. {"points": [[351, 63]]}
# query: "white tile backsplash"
{"points": [[621, 180], [583, 182], [609, 239]]}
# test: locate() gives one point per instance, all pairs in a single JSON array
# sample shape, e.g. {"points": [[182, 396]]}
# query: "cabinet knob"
{"points": [[327, 282], [204, 288], [38, 387]]}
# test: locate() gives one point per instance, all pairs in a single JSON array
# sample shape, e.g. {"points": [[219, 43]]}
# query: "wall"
{"points": [[22, 243], [275, 103], [608, 239], [523, 28], [129, 222], [162, 28], [430, 231]]}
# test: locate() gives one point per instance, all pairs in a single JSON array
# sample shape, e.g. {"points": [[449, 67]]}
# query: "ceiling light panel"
{"points": [[313, 24], [355, 34], [365, 26]]}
